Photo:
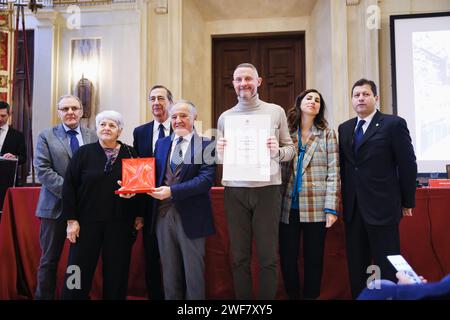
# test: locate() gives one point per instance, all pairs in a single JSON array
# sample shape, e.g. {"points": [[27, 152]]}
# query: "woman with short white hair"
{"points": [[98, 220]]}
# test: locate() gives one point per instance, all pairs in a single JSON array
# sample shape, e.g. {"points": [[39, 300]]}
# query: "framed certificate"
{"points": [[247, 157], [138, 175]]}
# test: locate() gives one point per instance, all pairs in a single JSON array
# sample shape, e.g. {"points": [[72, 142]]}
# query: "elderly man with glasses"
{"points": [[55, 147]]}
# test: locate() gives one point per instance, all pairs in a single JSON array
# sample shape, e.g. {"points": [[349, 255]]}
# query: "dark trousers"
{"points": [[153, 277], [366, 244], [313, 248], [52, 235], [254, 212], [114, 240]]}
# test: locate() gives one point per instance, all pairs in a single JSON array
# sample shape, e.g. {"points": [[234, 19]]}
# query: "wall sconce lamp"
{"points": [[162, 7]]}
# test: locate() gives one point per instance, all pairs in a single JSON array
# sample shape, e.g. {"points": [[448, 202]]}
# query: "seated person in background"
{"points": [[407, 289]]}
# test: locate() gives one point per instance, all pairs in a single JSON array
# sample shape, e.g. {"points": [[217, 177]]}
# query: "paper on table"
{"points": [[2, 158], [246, 156]]}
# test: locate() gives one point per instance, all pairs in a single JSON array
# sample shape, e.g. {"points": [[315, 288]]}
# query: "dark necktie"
{"points": [[161, 131], [358, 136], [177, 156], [74, 145]]}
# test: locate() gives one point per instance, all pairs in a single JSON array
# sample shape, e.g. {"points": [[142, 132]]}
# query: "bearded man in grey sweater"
{"points": [[253, 207]]}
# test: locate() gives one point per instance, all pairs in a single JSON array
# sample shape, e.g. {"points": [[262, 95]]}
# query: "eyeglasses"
{"points": [[66, 109]]}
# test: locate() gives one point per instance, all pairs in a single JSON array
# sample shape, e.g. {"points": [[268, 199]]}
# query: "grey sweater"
{"points": [[281, 132]]}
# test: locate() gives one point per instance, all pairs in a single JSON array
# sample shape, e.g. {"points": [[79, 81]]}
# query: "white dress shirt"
{"points": [[368, 120], [3, 132]]}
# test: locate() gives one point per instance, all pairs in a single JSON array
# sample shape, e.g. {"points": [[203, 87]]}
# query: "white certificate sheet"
{"points": [[246, 156]]}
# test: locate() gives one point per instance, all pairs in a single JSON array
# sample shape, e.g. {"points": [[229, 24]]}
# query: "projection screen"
{"points": [[420, 55]]}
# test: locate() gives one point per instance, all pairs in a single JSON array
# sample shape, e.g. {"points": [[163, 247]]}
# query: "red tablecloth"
{"points": [[425, 243], [425, 237]]}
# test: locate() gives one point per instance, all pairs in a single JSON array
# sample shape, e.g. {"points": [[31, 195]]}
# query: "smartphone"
{"points": [[400, 264]]}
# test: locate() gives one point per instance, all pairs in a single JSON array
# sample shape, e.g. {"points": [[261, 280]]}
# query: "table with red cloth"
{"points": [[425, 243]]}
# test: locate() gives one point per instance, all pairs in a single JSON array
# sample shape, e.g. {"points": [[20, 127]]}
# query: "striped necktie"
{"points": [[177, 156]]}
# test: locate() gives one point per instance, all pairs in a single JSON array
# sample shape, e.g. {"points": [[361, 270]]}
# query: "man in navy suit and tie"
{"points": [[185, 172], [378, 174], [145, 138]]}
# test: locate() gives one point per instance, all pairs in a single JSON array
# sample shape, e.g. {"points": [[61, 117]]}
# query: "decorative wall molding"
{"points": [[6, 53], [42, 4], [352, 2]]}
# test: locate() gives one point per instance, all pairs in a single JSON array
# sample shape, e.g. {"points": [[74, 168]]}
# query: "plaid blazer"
{"points": [[321, 183]]}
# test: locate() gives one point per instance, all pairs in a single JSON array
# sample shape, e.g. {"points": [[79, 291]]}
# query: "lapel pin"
{"points": [[377, 124]]}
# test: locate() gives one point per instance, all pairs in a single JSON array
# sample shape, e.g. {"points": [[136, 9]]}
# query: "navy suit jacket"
{"points": [[424, 291], [191, 195], [382, 176], [143, 144], [15, 144], [143, 139]]}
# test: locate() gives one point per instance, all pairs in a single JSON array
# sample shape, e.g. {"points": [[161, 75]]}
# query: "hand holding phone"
{"points": [[401, 265]]}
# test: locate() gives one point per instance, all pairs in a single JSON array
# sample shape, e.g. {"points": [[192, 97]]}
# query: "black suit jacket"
{"points": [[381, 178], [15, 143]]}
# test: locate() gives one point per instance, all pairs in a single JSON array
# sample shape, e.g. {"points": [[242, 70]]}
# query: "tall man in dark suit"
{"points": [[378, 173], [145, 138], [12, 142], [54, 149], [185, 172]]}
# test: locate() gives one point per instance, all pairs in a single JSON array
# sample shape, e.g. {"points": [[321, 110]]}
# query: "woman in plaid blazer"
{"points": [[310, 189]]}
